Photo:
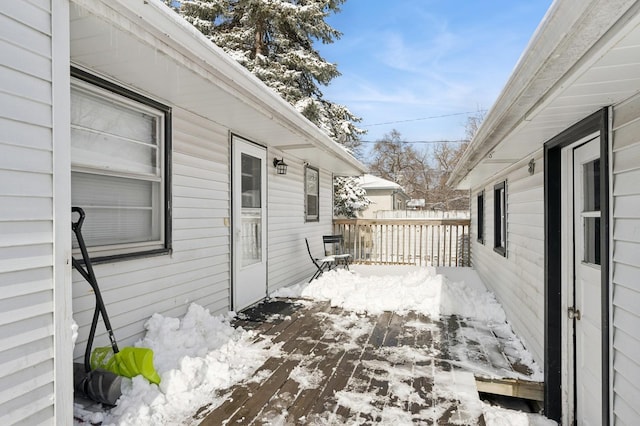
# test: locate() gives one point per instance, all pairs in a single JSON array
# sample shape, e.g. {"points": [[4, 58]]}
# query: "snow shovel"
{"points": [[128, 362]]}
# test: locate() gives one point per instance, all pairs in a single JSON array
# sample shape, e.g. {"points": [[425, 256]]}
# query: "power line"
{"points": [[423, 118]]}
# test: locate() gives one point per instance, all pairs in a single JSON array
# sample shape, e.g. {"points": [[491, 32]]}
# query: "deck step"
{"points": [[511, 387]]}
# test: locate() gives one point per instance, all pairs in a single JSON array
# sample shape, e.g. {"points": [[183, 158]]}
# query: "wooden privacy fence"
{"points": [[423, 242]]}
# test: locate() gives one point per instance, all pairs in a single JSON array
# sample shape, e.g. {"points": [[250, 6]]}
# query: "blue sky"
{"points": [[411, 59]]}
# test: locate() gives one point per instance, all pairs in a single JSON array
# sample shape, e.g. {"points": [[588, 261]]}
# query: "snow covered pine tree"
{"points": [[349, 197], [274, 39]]}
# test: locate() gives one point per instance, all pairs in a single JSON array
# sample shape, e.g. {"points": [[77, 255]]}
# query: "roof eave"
{"points": [[567, 32], [171, 30]]}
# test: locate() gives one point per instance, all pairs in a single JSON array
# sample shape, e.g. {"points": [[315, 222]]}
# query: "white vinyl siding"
{"points": [[625, 292], [198, 270], [288, 261], [518, 280], [27, 391]]}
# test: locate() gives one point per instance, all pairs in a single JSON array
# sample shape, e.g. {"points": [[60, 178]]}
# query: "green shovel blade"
{"points": [[129, 362]]}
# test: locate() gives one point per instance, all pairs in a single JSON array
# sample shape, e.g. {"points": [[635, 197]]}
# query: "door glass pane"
{"points": [[251, 180], [592, 240], [591, 171], [251, 168], [592, 186]]}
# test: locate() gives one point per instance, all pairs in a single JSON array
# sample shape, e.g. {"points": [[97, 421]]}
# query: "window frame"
{"points": [[480, 200], [307, 216], [500, 218], [118, 94]]}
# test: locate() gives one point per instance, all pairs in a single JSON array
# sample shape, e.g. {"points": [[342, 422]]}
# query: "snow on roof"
{"points": [[374, 182]]}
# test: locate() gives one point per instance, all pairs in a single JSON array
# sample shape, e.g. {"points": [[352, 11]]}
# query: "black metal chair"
{"points": [[334, 246], [321, 264]]}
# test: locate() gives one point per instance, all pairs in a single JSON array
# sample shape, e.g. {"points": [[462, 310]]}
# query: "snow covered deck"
{"points": [[377, 344], [341, 367]]}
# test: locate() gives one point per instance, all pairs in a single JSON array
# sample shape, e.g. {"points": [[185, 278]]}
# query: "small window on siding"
{"points": [[311, 194], [480, 217], [500, 218], [119, 155]]}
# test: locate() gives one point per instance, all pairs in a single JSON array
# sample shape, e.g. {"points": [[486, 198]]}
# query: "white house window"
{"points": [[500, 218], [311, 194], [119, 142], [480, 217]]}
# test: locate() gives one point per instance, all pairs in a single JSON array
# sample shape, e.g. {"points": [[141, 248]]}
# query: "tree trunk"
{"points": [[258, 46]]}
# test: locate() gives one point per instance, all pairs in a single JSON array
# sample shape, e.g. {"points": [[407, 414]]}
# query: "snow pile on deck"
{"points": [[419, 291], [497, 416], [195, 357]]}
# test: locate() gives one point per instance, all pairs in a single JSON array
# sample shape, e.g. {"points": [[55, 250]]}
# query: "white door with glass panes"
{"points": [[249, 185], [586, 309]]}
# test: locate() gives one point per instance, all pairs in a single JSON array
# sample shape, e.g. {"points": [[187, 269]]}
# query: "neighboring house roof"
{"points": [[416, 202], [171, 60], [373, 182], [581, 59]]}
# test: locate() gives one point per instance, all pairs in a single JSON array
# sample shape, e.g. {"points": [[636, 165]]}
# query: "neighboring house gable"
{"points": [[384, 194]]}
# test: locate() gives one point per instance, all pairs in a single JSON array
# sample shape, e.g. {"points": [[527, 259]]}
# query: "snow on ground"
{"points": [[200, 356], [498, 416], [195, 356], [419, 290]]}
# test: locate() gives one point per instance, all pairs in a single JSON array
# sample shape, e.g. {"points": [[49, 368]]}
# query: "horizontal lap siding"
{"points": [[26, 215], [198, 270], [518, 279], [289, 261], [625, 309]]}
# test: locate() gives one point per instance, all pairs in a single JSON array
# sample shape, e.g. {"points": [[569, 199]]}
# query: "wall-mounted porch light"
{"points": [[280, 165]]}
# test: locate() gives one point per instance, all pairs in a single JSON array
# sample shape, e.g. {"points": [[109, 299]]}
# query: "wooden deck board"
{"points": [[357, 356], [359, 378], [340, 368]]}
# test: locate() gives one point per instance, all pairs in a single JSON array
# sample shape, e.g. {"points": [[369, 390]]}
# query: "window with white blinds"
{"points": [[312, 194], [117, 170]]}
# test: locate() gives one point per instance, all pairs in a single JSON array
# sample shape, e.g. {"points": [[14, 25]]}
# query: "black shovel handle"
{"points": [[77, 226], [89, 275]]}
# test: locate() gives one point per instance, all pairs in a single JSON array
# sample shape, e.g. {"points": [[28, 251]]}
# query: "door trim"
{"points": [[554, 347], [567, 291]]}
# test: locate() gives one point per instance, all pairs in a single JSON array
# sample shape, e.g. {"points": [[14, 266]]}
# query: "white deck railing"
{"points": [[423, 242]]}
